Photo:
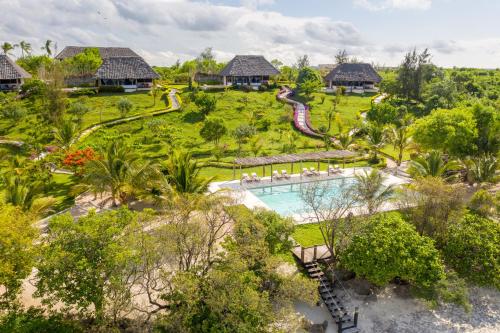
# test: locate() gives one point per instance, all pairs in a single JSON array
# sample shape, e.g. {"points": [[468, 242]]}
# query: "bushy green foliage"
{"points": [[33, 63], [453, 131], [84, 63], [213, 130], [472, 248], [485, 203], [388, 248], [206, 103], [34, 320]]}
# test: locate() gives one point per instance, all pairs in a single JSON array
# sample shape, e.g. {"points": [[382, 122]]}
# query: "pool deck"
{"points": [[239, 189]]}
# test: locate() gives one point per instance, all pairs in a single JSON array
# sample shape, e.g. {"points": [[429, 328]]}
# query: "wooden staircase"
{"points": [[344, 321]]}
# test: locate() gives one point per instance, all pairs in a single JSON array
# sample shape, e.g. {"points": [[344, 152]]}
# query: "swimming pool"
{"points": [[286, 199]]}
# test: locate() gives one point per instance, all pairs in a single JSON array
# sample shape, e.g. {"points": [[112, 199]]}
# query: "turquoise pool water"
{"points": [[286, 199]]}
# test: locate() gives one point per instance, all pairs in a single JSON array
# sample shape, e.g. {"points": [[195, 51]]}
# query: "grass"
{"points": [[348, 110], [389, 150], [61, 187], [308, 235]]}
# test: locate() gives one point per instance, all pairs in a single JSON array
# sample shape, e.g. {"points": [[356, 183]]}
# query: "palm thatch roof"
{"points": [[9, 70], [354, 72], [125, 68], [292, 158], [249, 65], [105, 52]]}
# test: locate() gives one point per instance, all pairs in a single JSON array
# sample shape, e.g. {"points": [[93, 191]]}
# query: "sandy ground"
{"points": [[393, 311]]}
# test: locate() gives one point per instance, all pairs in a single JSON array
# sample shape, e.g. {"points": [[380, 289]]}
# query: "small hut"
{"points": [[354, 77], [12, 75], [252, 70]]}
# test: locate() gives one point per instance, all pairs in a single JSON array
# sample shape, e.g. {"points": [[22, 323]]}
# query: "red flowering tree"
{"points": [[76, 160]]}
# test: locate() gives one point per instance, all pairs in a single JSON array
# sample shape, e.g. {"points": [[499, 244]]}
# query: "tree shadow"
{"points": [[192, 117]]}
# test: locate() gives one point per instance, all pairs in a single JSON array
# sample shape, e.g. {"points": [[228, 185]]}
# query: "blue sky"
{"points": [[458, 32]]}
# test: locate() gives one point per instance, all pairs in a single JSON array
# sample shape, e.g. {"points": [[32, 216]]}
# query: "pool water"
{"points": [[286, 199]]}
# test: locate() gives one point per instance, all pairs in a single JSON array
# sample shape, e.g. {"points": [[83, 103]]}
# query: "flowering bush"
{"points": [[77, 160]]}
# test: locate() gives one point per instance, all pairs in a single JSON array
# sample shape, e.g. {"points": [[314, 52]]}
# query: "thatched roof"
{"points": [[249, 65], [125, 68], [9, 70], [279, 159], [354, 72], [105, 52]]}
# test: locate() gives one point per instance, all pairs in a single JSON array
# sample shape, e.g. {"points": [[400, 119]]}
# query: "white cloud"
{"points": [[393, 4]]}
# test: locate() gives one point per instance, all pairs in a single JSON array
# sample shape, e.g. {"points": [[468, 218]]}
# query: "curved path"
{"points": [[301, 116]]}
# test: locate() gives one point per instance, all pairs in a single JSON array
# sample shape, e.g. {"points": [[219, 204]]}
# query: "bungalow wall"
{"points": [[11, 84]]}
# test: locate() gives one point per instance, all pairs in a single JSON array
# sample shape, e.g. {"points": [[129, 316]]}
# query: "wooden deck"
{"points": [[307, 255]]}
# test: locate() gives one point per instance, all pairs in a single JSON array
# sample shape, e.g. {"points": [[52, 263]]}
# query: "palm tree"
{"points": [[376, 138], [481, 169], [19, 191], [401, 139], [65, 134], [120, 172], [183, 173], [432, 164], [47, 47], [370, 189], [8, 47], [345, 141], [25, 48]]}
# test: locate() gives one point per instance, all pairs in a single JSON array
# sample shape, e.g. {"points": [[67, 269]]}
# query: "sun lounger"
{"points": [[255, 178], [246, 178], [333, 170], [276, 175], [313, 171], [284, 174], [306, 172]]}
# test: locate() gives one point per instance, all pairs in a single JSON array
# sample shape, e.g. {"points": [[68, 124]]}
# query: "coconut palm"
{"points": [[481, 169], [183, 173], [432, 164], [121, 173], [25, 48], [48, 47], [400, 138], [376, 138], [8, 47], [369, 189], [344, 141], [65, 134]]}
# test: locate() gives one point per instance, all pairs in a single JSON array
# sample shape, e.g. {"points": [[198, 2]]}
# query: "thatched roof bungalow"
{"points": [[12, 75], [248, 70], [120, 67], [355, 76]]}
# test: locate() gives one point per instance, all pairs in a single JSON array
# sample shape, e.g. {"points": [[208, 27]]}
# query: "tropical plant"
{"points": [[20, 191], [481, 169], [376, 139], [390, 248], [370, 189], [124, 106], [242, 134], [183, 173], [432, 164], [206, 104], [65, 134], [120, 173], [401, 139], [213, 130], [345, 141], [48, 47], [8, 47], [25, 48]]}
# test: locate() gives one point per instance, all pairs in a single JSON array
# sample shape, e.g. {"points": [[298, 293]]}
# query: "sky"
{"points": [[460, 33]]}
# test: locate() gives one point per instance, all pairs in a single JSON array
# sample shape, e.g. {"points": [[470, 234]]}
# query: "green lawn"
{"points": [[389, 149], [349, 109], [60, 190], [308, 235]]}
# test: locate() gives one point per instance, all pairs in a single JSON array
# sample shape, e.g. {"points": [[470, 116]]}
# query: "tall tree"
{"points": [[400, 138], [376, 139], [341, 57], [8, 47], [25, 48], [412, 74], [48, 47], [302, 62]]}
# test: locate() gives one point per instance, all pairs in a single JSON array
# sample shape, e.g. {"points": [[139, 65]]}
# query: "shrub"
{"points": [[391, 248], [83, 92], [13, 111], [77, 160], [33, 88], [263, 87], [473, 249], [124, 106], [111, 89]]}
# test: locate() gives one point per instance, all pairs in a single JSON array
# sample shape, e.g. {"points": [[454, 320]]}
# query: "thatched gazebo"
{"points": [[290, 158]]}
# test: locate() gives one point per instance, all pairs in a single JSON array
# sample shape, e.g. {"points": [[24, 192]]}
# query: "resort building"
{"points": [[355, 77], [120, 67], [12, 75], [250, 70]]}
